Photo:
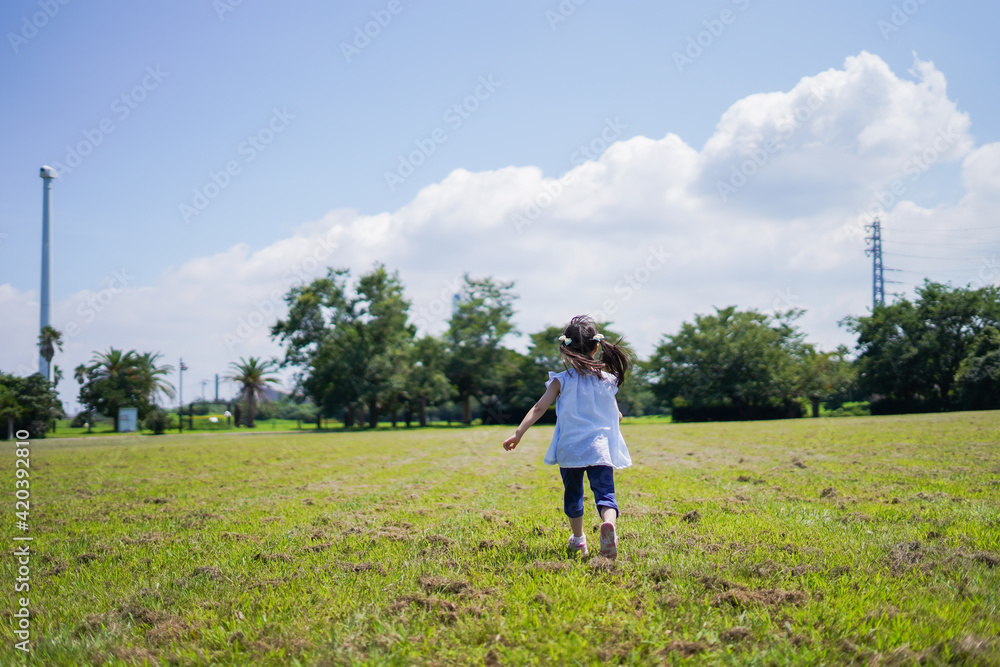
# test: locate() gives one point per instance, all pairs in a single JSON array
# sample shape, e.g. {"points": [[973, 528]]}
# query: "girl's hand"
{"points": [[511, 442]]}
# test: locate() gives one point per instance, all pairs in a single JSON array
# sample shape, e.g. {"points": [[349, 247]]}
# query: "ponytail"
{"points": [[577, 342], [616, 359]]}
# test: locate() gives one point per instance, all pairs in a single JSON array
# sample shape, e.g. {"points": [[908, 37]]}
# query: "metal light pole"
{"points": [[180, 408], [47, 174]]}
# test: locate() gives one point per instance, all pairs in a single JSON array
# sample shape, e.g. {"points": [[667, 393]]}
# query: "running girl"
{"points": [[587, 437]]}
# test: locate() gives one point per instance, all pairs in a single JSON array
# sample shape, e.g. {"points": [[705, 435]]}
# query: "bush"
{"points": [[83, 418], [158, 421], [205, 423], [722, 412], [855, 409]]}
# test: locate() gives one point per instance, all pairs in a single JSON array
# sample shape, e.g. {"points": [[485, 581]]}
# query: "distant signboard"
{"points": [[128, 419]]}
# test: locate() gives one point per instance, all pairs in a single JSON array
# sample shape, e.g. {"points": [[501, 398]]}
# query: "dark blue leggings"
{"points": [[602, 483]]}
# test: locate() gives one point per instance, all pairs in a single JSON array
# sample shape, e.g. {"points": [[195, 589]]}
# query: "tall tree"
{"points": [[482, 318], [427, 384], [253, 376], [314, 334], [383, 339], [824, 374], [352, 344], [911, 353], [29, 403], [977, 382], [746, 360]]}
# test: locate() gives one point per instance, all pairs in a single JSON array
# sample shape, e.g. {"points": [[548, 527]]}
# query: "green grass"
{"points": [[831, 541], [106, 428]]}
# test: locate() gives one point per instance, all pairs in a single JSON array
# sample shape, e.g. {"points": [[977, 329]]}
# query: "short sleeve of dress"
{"points": [[556, 376]]}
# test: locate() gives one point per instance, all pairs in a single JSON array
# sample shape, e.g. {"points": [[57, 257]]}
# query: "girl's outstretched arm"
{"points": [[536, 411]]}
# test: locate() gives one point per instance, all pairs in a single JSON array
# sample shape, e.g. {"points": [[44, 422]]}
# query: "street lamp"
{"points": [[48, 174]]}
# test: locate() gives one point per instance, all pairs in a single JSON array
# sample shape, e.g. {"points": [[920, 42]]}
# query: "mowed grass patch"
{"points": [[864, 540]]}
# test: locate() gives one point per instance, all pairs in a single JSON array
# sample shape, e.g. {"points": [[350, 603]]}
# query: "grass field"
{"points": [[872, 540]]}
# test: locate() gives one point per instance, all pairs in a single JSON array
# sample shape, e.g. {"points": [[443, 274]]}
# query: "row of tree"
{"points": [[127, 379], [356, 354], [357, 357]]}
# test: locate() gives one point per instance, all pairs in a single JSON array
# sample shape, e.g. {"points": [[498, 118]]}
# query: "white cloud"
{"points": [[596, 236]]}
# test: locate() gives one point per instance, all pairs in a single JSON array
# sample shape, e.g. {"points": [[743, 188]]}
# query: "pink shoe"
{"points": [[577, 545], [609, 540]]}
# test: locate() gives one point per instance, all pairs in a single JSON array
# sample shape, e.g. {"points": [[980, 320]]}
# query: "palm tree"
{"points": [[48, 340], [150, 376], [253, 375], [115, 373], [114, 365]]}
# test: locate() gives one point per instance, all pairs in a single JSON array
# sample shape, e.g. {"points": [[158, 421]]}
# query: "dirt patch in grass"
{"points": [[139, 614], [95, 623], [660, 574], [887, 612], [290, 646], [714, 583], [668, 601], [446, 610], [318, 547], [906, 556], [602, 564], [358, 568], [828, 492], [55, 570], [747, 479], [486, 545], [169, 628], [735, 634], [694, 516], [210, 571], [156, 501], [273, 558], [145, 538], [238, 537], [439, 540], [770, 597], [387, 532], [83, 559], [972, 649], [986, 558], [685, 649], [442, 585]]}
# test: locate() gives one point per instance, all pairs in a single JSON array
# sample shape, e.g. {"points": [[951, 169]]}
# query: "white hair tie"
{"points": [[598, 337], [566, 340]]}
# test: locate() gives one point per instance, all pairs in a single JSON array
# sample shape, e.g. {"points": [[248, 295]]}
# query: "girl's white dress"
{"points": [[587, 432]]}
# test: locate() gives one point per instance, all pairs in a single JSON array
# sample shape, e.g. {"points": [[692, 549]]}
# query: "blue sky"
{"points": [[559, 74]]}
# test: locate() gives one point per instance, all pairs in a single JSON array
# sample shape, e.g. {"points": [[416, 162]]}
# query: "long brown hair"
{"points": [[615, 358]]}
